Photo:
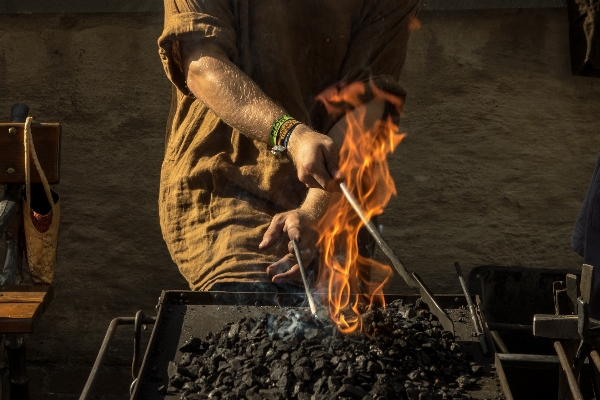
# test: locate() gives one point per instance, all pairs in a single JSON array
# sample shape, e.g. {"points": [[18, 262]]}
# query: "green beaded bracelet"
{"points": [[276, 127]]}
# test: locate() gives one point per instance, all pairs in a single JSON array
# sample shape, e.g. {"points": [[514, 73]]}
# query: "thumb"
{"points": [[273, 232]]}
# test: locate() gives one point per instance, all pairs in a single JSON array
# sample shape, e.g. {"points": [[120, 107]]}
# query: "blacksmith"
{"points": [[250, 153]]}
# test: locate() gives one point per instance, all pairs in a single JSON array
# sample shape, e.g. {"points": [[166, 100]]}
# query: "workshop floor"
{"points": [[54, 382]]}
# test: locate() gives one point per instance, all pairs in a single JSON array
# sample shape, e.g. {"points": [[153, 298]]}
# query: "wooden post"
{"points": [[12, 274]]}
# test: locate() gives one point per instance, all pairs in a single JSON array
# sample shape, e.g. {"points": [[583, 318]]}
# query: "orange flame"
{"points": [[345, 275]]}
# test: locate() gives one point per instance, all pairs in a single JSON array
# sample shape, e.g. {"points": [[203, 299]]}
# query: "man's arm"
{"points": [[241, 104], [301, 224]]}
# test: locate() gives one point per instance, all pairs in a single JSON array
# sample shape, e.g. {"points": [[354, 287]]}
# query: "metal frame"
{"points": [[138, 321]]}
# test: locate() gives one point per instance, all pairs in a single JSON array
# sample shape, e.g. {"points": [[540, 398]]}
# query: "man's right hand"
{"points": [[315, 157]]}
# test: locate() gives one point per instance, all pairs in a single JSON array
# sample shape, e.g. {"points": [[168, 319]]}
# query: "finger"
{"points": [[331, 163], [281, 266], [334, 184], [308, 256], [307, 252], [322, 176], [273, 232], [309, 180], [292, 276], [294, 233]]}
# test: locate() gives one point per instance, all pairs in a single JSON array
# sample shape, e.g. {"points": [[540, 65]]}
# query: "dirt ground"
{"points": [[501, 145]]}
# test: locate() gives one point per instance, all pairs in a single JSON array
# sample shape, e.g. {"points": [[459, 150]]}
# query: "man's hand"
{"points": [[286, 270], [316, 158], [299, 225]]}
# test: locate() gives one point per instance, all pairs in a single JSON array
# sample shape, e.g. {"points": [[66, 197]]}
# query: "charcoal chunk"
{"points": [[272, 394], [354, 392], [252, 394], [302, 373], [334, 383], [177, 381], [310, 333], [279, 369], [191, 346], [249, 380]]}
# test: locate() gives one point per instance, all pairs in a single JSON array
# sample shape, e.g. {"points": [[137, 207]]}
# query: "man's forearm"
{"points": [[228, 91]]}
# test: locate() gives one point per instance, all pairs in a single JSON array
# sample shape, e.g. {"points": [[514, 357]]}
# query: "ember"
{"points": [[405, 355]]}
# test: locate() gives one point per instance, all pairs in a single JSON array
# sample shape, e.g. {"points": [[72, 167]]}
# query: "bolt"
{"points": [[12, 130], [10, 171]]}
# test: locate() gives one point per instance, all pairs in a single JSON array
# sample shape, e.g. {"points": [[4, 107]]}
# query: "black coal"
{"points": [[403, 353]]}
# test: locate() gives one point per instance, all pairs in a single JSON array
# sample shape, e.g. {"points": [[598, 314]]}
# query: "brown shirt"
{"points": [[219, 189]]}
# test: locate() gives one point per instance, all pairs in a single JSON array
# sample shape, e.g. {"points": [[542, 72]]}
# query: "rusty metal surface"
{"points": [[556, 326]]}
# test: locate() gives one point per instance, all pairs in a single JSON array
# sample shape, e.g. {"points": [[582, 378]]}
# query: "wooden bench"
{"points": [[22, 306]]}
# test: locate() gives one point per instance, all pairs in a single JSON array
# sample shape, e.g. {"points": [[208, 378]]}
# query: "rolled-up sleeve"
{"points": [[198, 20]]}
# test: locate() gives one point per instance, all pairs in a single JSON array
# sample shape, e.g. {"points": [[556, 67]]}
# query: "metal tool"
{"points": [[311, 301], [580, 327], [414, 281], [378, 238], [478, 329]]}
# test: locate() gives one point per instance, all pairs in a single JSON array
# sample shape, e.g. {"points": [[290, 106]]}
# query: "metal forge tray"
{"points": [[185, 314]]}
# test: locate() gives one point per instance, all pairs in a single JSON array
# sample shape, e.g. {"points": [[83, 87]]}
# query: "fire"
{"points": [[345, 275]]}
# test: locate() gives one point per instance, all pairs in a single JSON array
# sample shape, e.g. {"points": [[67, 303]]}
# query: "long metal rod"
{"points": [[311, 301], [478, 329], [499, 342], [499, 326], [564, 363], [378, 238], [110, 333]]}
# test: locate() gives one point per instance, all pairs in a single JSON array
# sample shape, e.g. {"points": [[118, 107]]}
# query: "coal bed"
{"points": [[262, 352]]}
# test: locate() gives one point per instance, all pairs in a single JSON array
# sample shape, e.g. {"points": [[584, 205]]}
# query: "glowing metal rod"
{"points": [[311, 301], [377, 236]]}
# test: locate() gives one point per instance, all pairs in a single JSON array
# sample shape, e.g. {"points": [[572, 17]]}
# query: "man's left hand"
{"points": [[300, 226]]}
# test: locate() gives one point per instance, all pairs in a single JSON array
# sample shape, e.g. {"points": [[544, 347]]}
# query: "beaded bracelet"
{"points": [[282, 145], [276, 127], [286, 130], [285, 126]]}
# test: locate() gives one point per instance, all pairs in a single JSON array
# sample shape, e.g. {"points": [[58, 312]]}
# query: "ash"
{"points": [[403, 354]]}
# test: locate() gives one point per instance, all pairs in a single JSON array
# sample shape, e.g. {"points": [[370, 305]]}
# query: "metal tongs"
{"points": [[311, 300], [413, 280]]}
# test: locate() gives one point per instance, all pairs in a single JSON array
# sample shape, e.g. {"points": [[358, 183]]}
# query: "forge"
{"points": [[267, 346]]}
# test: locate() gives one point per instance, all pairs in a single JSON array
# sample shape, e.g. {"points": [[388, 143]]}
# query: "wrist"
{"points": [[281, 131], [315, 205], [295, 139]]}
